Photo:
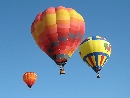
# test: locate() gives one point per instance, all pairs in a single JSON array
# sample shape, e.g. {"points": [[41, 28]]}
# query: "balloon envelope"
{"points": [[58, 32], [95, 51], [29, 78]]}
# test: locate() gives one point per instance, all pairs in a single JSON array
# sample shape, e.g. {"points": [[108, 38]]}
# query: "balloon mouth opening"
{"points": [[61, 61], [30, 86], [97, 69]]}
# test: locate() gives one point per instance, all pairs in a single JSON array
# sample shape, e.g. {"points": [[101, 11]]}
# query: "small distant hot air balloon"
{"points": [[58, 32], [95, 51], [29, 78]]}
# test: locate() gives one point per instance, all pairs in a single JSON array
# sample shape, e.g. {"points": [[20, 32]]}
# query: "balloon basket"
{"points": [[62, 72], [98, 76]]}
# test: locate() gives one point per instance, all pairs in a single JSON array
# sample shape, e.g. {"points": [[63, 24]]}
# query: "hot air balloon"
{"points": [[95, 51], [58, 32], [29, 78]]}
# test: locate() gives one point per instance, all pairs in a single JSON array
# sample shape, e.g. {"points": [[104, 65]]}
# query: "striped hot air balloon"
{"points": [[58, 32], [95, 51], [29, 78]]}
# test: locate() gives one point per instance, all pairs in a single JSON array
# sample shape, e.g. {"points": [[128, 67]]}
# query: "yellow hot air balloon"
{"points": [[95, 51]]}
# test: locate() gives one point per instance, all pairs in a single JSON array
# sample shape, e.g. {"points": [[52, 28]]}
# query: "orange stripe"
{"points": [[63, 22], [60, 7]]}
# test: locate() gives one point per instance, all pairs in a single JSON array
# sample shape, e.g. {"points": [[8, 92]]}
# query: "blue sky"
{"points": [[19, 53]]}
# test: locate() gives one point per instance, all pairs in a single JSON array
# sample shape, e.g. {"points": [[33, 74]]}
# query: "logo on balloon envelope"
{"points": [[107, 47]]}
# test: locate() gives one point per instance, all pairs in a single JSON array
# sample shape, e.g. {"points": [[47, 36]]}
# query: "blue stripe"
{"points": [[93, 38], [79, 35], [71, 35]]}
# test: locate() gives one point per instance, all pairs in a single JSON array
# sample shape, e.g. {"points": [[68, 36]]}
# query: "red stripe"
{"points": [[102, 58], [90, 59]]}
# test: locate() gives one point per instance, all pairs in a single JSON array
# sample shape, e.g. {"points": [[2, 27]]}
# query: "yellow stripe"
{"points": [[62, 14], [70, 54], [80, 17], [50, 19], [35, 38], [39, 26], [74, 14], [93, 59], [99, 60], [98, 36], [89, 62], [105, 62]]}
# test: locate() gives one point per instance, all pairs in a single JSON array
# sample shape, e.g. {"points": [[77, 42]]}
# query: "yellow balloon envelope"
{"points": [[95, 51]]}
